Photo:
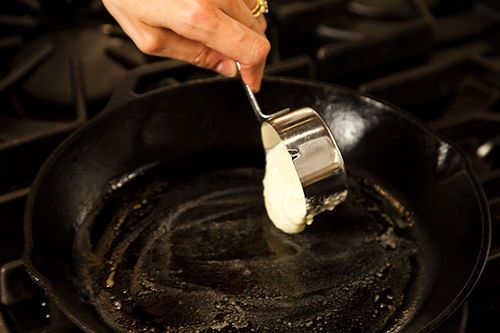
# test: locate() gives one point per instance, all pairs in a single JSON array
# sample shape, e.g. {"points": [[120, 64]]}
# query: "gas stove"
{"points": [[60, 61]]}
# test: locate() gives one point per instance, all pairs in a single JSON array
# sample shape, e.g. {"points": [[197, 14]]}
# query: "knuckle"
{"points": [[260, 49], [201, 13], [263, 25], [149, 44], [259, 27], [255, 26], [201, 58]]}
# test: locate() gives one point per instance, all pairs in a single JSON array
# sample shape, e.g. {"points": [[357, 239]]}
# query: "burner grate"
{"points": [[438, 59]]}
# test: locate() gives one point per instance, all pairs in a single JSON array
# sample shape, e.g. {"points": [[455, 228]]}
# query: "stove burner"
{"points": [[389, 9], [492, 5], [104, 60], [438, 59]]}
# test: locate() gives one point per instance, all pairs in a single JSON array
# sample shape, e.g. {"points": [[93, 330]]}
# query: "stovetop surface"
{"points": [[438, 59]]}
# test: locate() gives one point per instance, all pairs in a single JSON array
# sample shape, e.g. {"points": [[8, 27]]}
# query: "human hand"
{"points": [[211, 34]]}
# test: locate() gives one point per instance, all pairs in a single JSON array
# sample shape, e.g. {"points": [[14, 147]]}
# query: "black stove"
{"points": [[61, 59]]}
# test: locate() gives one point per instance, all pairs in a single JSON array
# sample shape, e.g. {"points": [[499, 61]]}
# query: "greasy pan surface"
{"points": [[402, 253]]}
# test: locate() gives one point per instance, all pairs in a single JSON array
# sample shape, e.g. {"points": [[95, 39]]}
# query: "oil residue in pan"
{"points": [[200, 255]]}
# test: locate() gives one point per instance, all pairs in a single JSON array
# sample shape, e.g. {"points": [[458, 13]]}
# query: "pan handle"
{"points": [[148, 78]]}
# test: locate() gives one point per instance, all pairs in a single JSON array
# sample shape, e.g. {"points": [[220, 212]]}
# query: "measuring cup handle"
{"points": [[261, 117]]}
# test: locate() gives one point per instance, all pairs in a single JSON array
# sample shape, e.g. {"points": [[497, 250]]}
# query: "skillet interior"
{"points": [[198, 119]]}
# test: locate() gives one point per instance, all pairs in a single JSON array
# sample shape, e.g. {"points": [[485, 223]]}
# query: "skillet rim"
{"points": [[110, 110]]}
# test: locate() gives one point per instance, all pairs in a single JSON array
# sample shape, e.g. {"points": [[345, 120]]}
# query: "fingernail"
{"points": [[227, 68]]}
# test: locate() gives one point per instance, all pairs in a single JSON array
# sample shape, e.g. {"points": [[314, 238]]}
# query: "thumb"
{"points": [[226, 67]]}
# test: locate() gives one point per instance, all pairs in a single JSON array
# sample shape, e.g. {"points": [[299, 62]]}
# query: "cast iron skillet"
{"points": [[174, 123]]}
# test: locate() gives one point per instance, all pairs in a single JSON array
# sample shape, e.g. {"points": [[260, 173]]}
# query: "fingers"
{"points": [[207, 33], [240, 43], [261, 20], [239, 10], [229, 37], [250, 4], [166, 43]]}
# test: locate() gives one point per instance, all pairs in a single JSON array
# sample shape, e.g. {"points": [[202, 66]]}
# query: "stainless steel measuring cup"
{"points": [[315, 154]]}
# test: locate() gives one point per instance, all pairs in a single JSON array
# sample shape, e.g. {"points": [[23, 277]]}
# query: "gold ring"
{"points": [[260, 8]]}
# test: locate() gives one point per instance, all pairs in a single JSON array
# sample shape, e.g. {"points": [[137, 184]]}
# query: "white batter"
{"points": [[283, 194], [284, 197]]}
